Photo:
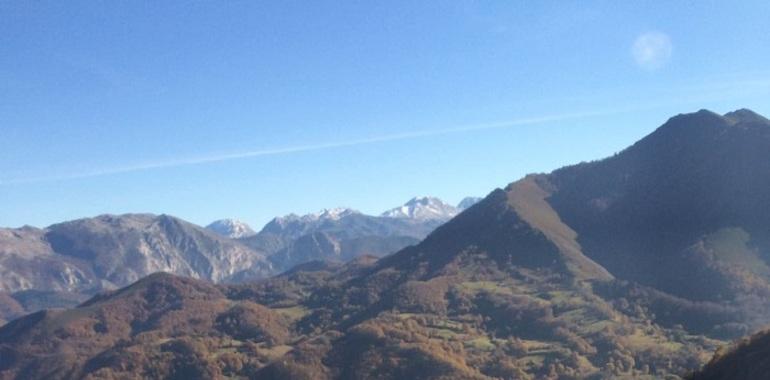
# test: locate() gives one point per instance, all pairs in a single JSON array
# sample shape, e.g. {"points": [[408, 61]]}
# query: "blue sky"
{"points": [[249, 110]]}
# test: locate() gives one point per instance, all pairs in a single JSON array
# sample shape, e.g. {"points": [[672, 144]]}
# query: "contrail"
{"points": [[308, 148], [764, 84]]}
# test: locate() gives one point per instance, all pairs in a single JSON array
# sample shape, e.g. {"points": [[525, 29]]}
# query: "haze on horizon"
{"points": [[207, 111]]}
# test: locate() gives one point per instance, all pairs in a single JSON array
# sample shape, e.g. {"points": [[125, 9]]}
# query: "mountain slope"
{"points": [[749, 359], [503, 278], [165, 326], [503, 228], [175, 306], [674, 200]]}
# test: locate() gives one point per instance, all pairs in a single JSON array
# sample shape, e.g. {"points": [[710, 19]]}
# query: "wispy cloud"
{"points": [[212, 158]]}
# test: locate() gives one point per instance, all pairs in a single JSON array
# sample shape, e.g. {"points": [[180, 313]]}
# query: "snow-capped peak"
{"points": [[423, 208], [231, 228], [336, 213], [325, 214]]}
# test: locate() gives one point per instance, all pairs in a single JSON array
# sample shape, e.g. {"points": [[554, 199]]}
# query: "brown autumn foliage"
{"points": [[251, 321]]}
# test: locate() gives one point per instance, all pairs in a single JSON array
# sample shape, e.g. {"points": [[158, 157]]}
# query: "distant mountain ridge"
{"points": [[68, 262], [417, 208], [341, 234]]}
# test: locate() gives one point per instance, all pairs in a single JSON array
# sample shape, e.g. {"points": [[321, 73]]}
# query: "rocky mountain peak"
{"points": [[423, 208], [232, 228]]}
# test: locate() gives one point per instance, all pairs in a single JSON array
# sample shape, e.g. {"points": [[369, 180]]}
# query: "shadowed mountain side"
{"points": [[749, 359], [639, 213], [528, 198]]}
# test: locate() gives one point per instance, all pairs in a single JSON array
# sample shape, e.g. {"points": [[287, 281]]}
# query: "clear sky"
{"points": [[207, 110]]}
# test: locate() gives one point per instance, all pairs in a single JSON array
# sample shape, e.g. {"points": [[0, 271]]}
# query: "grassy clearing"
{"points": [[730, 246], [275, 352], [487, 286], [293, 313], [596, 327], [643, 341], [445, 334], [482, 343]]}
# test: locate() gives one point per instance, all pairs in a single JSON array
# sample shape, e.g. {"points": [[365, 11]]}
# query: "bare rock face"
{"points": [[27, 261], [143, 244], [87, 256]]}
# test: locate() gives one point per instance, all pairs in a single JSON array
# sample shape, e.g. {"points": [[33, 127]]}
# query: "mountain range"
{"points": [[418, 208], [66, 263], [639, 265], [341, 234]]}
